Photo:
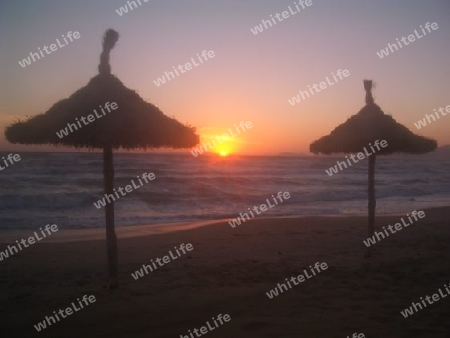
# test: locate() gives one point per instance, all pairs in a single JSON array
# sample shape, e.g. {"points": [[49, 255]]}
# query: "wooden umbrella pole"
{"points": [[109, 41], [111, 240], [372, 201]]}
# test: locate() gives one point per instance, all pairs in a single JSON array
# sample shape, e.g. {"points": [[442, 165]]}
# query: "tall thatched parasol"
{"points": [[134, 124], [362, 130]]}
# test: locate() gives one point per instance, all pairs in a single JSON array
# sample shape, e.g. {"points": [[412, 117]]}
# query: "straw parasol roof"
{"points": [[367, 126], [133, 124]]}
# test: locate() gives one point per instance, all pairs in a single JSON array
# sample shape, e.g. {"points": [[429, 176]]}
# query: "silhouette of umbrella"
{"points": [[133, 123], [362, 131]]}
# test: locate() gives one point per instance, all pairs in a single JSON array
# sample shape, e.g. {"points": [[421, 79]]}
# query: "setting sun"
{"points": [[223, 153]]}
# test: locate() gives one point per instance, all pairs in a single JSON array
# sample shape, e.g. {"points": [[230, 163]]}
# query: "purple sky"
{"points": [[251, 77]]}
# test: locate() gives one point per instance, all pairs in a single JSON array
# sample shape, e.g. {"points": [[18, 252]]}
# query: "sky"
{"points": [[251, 76]]}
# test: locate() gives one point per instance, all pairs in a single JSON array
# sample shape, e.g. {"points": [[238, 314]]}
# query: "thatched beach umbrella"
{"points": [[133, 124], [362, 131]]}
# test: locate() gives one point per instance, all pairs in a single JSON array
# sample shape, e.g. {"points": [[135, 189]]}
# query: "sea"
{"points": [[61, 188]]}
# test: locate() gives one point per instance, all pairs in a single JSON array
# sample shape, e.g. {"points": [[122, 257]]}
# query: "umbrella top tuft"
{"points": [[368, 88], [109, 41]]}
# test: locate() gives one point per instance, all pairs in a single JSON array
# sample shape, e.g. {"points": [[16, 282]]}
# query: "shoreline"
{"points": [[133, 231]]}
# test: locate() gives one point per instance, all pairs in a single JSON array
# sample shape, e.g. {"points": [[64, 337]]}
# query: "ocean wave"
{"points": [[63, 187]]}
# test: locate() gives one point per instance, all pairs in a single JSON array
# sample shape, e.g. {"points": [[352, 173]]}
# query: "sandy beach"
{"points": [[229, 271]]}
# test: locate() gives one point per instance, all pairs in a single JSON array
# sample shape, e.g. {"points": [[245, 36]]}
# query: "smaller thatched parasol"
{"points": [[364, 128], [134, 124]]}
